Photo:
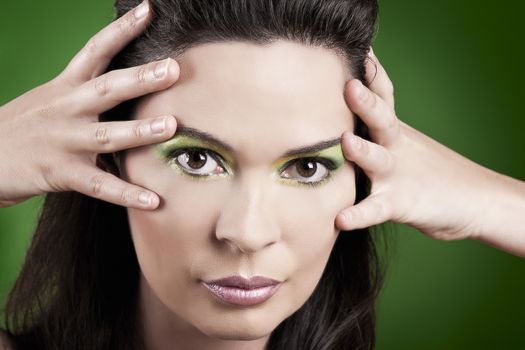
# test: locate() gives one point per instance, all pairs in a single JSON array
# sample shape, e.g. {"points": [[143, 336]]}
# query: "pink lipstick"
{"points": [[238, 290]]}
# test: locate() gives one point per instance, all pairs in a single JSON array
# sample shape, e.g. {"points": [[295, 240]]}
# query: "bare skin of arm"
{"points": [[419, 182], [415, 180]]}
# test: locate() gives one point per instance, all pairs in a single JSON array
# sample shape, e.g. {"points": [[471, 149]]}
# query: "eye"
{"points": [[198, 161], [310, 171]]}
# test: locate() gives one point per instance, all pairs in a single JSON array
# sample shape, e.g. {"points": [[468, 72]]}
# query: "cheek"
{"points": [[174, 241], [308, 215], [169, 239], [308, 226]]}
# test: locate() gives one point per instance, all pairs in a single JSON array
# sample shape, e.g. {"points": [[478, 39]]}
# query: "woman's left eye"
{"points": [[310, 171], [199, 162]]}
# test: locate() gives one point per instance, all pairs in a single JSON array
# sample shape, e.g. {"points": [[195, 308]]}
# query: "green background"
{"points": [[457, 69]]}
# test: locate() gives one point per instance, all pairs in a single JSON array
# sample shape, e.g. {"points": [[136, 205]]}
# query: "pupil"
{"points": [[196, 159], [306, 168]]}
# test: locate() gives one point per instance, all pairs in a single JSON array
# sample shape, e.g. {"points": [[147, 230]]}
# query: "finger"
{"points": [[370, 68], [371, 211], [374, 159], [380, 118], [110, 137], [100, 94], [378, 79], [93, 59], [96, 183]]}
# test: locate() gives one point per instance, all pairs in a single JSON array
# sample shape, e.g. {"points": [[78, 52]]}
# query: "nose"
{"points": [[248, 221]]}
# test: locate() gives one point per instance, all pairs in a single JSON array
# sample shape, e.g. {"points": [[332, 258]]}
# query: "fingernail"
{"points": [[343, 217], [145, 198], [142, 10], [159, 125], [161, 68]]}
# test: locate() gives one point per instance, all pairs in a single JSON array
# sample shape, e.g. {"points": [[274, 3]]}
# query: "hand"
{"points": [[50, 136], [414, 179]]}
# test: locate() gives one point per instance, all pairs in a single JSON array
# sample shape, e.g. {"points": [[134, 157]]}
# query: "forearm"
{"points": [[502, 224]]}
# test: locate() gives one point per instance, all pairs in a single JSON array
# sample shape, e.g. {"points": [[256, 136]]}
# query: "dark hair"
{"points": [[78, 287]]}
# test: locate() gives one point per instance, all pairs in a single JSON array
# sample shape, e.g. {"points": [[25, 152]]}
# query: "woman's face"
{"points": [[254, 210]]}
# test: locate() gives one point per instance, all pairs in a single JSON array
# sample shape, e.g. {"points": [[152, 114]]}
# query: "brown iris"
{"points": [[306, 168], [196, 159]]}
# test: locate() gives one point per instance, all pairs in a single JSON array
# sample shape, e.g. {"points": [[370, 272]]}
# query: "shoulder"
{"points": [[5, 344]]}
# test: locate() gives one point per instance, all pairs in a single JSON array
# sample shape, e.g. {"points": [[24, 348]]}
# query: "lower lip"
{"points": [[244, 297]]}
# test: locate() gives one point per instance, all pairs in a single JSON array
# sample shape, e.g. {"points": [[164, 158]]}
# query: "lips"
{"points": [[238, 281], [241, 291]]}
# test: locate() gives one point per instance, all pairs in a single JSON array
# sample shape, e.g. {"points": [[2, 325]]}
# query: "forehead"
{"points": [[284, 92]]}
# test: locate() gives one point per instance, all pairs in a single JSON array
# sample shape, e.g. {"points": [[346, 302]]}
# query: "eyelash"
{"points": [[327, 163]]}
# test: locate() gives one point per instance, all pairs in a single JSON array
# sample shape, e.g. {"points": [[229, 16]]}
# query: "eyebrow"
{"points": [[207, 137]]}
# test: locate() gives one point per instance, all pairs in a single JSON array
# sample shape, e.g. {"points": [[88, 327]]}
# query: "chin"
{"points": [[238, 331], [240, 336]]}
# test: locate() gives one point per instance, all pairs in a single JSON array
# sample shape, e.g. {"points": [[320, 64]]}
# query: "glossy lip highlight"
{"points": [[237, 290], [245, 283]]}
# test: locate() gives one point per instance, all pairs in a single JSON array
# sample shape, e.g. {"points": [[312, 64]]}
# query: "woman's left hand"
{"points": [[414, 179]]}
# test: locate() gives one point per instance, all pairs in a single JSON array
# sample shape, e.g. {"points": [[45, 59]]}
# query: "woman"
{"points": [[86, 284]]}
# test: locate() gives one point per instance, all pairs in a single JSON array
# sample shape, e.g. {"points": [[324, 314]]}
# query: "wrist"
{"points": [[502, 223]]}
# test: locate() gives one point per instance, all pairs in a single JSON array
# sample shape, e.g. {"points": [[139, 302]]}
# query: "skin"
{"points": [[57, 123], [253, 220], [469, 201], [408, 169]]}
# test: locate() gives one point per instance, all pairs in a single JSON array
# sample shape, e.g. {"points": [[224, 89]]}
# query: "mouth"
{"points": [[238, 290]]}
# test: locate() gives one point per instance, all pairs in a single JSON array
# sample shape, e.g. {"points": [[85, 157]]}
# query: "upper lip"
{"points": [[244, 283]]}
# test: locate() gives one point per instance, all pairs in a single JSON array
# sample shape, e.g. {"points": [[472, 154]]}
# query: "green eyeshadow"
{"points": [[165, 149], [333, 153]]}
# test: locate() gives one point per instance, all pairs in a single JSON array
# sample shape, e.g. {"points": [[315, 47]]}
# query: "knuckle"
{"points": [[102, 135], [102, 86], [126, 196], [95, 184], [126, 24], [138, 131], [141, 74]]}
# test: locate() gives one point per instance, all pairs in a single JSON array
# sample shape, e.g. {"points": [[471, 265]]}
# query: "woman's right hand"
{"points": [[50, 136]]}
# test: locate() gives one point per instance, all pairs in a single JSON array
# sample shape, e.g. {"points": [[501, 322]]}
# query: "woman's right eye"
{"points": [[199, 162]]}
